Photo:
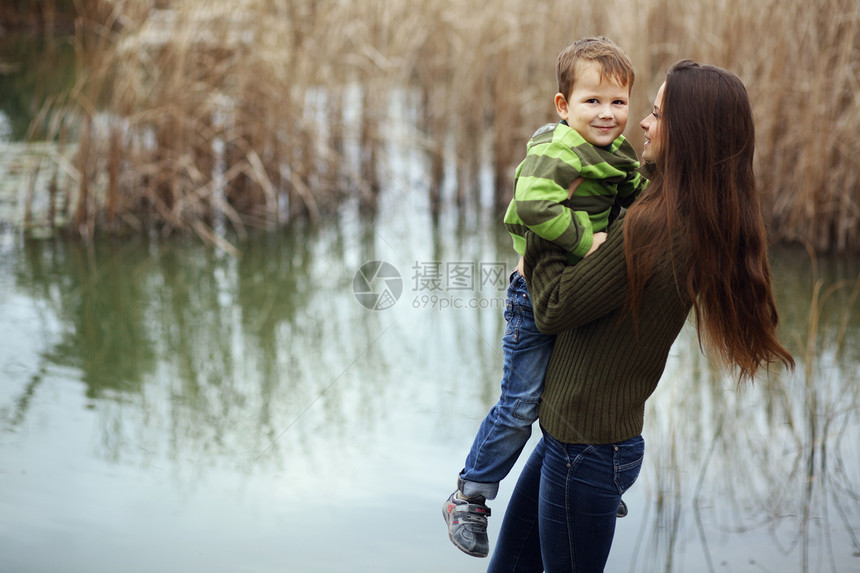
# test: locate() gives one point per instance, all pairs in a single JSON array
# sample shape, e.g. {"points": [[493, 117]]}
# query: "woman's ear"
{"points": [[561, 106]]}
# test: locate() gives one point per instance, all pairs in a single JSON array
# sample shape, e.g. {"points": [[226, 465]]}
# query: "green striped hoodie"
{"points": [[556, 155]]}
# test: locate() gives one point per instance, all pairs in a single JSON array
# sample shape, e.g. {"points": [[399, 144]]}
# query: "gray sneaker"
{"points": [[467, 524]]}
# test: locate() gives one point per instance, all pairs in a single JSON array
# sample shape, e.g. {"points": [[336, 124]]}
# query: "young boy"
{"points": [[594, 82]]}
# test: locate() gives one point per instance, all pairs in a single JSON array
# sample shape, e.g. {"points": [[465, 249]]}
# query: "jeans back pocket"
{"points": [[628, 462]]}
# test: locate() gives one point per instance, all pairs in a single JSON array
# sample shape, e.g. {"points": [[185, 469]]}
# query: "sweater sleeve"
{"points": [[567, 296]]}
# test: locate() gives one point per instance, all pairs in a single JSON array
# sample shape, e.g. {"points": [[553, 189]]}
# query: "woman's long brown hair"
{"points": [[703, 197]]}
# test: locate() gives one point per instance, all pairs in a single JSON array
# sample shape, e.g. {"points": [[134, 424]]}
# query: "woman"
{"points": [[694, 240]]}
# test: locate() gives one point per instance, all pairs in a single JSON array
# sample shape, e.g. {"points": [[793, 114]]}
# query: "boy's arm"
{"points": [[542, 187], [633, 185], [631, 188]]}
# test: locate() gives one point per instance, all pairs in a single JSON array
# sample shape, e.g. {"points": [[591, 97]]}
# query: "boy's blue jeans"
{"points": [[508, 426]]}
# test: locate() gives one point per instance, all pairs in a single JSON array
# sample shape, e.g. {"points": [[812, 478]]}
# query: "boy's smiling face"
{"points": [[596, 109]]}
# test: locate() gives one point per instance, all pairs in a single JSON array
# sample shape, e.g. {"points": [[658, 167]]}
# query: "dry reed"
{"points": [[214, 115]]}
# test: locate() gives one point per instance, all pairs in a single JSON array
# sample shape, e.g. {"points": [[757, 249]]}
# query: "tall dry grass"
{"points": [[217, 115]]}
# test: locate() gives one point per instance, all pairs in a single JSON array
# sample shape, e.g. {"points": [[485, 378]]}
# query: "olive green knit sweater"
{"points": [[601, 372]]}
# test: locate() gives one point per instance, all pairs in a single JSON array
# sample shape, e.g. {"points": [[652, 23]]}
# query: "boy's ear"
{"points": [[561, 105]]}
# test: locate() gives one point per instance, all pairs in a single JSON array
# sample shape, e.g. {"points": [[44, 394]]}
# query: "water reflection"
{"points": [[774, 464], [171, 388]]}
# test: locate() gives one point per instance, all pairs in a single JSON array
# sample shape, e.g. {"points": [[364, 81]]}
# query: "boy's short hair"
{"points": [[614, 63]]}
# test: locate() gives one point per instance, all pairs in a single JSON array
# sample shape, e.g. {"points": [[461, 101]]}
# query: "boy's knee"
{"points": [[526, 410]]}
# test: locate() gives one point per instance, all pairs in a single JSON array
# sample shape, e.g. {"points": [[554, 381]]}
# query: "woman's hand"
{"points": [[573, 186]]}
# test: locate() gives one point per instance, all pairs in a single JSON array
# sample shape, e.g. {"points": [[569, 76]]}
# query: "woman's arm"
{"points": [[566, 296]]}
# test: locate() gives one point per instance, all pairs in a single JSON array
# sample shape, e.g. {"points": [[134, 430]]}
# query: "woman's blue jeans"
{"points": [[561, 517], [508, 426]]}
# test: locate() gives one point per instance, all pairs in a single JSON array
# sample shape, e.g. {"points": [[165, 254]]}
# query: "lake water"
{"points": [[167, 407]]}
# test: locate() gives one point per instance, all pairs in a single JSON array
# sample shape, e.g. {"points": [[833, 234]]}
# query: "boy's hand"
{"points": [[599, 239]]}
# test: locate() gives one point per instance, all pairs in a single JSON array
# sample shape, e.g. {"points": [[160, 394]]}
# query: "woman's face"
{"points": [[653, 129]]}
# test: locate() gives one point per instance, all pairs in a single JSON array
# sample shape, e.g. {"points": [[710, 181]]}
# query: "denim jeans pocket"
{"points": [[628, 462]]}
